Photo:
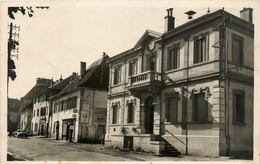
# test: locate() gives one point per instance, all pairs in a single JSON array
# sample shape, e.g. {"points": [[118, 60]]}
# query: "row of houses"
{"points": [[76, 103], [189, 90]]}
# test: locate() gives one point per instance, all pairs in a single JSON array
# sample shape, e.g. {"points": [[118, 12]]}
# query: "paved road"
{"points": [[46, 149]]}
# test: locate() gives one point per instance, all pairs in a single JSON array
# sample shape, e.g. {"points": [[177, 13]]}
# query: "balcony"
{"points": [[144, 81]]}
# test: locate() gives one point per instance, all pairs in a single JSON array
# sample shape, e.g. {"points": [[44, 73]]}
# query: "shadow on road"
{"points": [[12, 158]]}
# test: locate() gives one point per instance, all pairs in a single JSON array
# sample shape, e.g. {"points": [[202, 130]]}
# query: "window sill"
{"points": [[172, 123], [115, 125], [130, 124], [175, 70], [116, 85], [200, 122], [202, 63], [239, 124]]}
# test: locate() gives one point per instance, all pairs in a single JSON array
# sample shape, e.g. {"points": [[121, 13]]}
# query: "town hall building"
{"points": [[186, 91]]}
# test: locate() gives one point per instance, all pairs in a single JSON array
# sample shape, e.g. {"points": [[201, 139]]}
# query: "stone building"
{"points": [[80, 107], [13, 115], [188, 90], [28, 110], [41, 108]]}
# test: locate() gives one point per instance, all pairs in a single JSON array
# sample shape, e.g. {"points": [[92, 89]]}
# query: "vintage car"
{"points": [[20, 134]]}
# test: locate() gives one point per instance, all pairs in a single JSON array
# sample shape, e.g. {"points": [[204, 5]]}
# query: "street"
{"points": [[46, 149]]}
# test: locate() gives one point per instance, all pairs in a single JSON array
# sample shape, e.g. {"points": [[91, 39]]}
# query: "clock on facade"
{"points": [[151, 45]]}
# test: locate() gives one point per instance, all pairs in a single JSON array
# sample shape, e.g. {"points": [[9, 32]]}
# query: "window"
{"points": [[174, 57], [36, 127], [200, 49], [74, 102], [33, 113], [69, 103], [117, 75], [37, 112], [115, 114], [55, 107], [131, 113], [171, 113], [238, 107], [200, 107], [237, 49], [62, 105], [132, 67], [151, 62]]}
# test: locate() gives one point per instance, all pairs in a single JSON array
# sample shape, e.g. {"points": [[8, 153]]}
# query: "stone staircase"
{"points": [[169, 150]]}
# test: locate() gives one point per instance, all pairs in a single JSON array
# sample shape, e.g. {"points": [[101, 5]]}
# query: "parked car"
{"points": [[20, 134]]}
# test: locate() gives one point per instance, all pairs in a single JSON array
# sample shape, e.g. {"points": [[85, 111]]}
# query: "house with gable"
{"points": [[80, 107]]}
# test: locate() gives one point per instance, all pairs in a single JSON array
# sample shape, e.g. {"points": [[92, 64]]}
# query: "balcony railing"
{"points": [[144, 77]]}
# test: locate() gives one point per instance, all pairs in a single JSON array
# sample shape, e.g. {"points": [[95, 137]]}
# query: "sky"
{"points": [[54, 41]]}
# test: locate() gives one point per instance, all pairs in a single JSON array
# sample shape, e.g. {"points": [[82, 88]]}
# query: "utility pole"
{"points": [[12, 47]]}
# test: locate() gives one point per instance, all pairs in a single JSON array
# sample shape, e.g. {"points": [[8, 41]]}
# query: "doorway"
{"points": [[128, 142], [149, 115]]}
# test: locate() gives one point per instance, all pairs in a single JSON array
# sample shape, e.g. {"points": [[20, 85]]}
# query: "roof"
{"points": [[184, 27], [148, 33], [62, 84], [84, 80], [206, 18], [37, 90]]}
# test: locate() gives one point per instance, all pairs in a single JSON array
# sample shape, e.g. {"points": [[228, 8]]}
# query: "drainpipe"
{"points": [[226, 84], [187, 90]]}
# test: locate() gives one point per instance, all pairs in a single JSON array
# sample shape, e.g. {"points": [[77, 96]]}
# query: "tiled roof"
{"points": [[62, 84], [79, 80]]}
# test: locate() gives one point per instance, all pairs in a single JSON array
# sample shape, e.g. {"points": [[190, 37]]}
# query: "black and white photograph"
{"points": [[129, 81]]}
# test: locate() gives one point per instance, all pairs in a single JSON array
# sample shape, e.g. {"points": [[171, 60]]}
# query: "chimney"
{"points": [[169, 20], [82, 68], [38, 80], [61, 78], [247, 14], [104, 55]]}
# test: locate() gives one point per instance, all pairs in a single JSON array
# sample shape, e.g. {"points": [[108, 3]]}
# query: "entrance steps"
{"points": [[169, 150]]}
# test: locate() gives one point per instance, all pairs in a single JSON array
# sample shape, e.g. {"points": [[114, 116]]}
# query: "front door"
{"points": [[42, 127], [149, 115]]}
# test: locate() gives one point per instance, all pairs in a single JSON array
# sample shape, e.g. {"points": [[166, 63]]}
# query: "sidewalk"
{"points": [[46, 149]]}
